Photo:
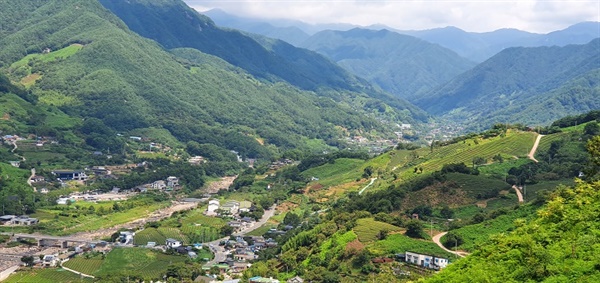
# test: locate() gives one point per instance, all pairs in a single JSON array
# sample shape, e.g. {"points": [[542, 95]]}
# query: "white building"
{"points": [[172, 182], [173, 244], [427, 261], [213, 205], [50, 260], [159, 185], [232, 206]]}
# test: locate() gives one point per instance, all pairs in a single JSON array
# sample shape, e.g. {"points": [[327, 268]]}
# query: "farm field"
{"points": [[65, 225], [261, 230], [367, 229], [149, 235], [47, 275], [144, 262], [513, 144], [343, 170], [84, 265]]}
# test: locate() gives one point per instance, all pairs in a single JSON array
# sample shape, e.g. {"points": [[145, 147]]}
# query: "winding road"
{"points": [[436, 239]]}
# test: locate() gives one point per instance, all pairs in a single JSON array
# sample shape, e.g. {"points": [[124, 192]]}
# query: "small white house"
{"points": [[231, 206], [126, 237], [159, 185], [173, 244], [427, 261], [50, 260], [213, 205], [172, 182]]}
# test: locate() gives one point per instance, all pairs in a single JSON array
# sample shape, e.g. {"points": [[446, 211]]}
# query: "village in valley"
{"points": [[222, 259]]}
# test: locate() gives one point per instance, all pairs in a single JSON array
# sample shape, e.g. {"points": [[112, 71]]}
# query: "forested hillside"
{"points": [[401, 64], [85, 61], [559, 245], [564, 78]]}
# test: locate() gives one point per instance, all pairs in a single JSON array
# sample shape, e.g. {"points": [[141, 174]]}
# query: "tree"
{"points": [[367, 172], [453, 240], [226, 230], [446, 212], [28, 260], [593, 147], [414, 229], [478, 161], [592, 129], [382, 234]]}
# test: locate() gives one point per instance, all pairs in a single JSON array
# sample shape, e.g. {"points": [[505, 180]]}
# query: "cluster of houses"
{"points": [[171, 183], [241, 251], [23, 220], [276, 165], [230, 208]]}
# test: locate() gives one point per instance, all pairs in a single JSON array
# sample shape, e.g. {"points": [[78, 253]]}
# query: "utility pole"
{"points": [[431, 225]]}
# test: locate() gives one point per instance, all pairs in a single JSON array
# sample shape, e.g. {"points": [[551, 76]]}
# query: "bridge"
{"points": [[45, 240]]}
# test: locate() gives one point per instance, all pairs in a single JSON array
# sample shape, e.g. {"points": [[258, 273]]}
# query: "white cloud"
{"points": [[479, 16]]}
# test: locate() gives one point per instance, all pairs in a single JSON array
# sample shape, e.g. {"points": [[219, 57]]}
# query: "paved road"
{"points": [[367, 186], [219, 251], [436, 239], [534, 148]]}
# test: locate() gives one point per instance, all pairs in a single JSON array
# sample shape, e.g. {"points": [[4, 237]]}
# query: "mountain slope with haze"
{"points": [[401, 64], [520, 78]]}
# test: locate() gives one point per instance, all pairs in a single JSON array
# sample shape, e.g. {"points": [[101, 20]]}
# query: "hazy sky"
{"points": [[477, 15]]}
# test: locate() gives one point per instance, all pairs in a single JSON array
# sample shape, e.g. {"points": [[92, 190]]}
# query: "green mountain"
{"points": [[78, 56], [559, 245], [400, 64], [526, 85], [175, 25]]}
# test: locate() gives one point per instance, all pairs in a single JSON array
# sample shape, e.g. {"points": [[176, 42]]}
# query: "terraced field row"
{"points": [[517, 144], [86, 266], [46, 276]]}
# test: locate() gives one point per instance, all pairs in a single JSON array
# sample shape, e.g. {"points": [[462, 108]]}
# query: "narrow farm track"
{"points": [[519, 194], [76, 272], [436, 240], [534, 148], [367, 186]]}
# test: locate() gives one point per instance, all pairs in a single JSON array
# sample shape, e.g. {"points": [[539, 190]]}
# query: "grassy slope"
{"points": [[558, 245], [46, 276], [367, 229], [477, 234]]}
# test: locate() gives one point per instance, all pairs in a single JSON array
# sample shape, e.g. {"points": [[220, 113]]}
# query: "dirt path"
{"points": [[31, 177], [534, 148], [519, 194], [436, 239], [367, 186]]}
